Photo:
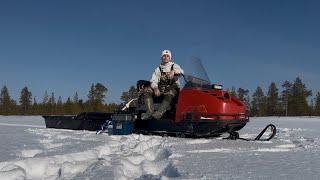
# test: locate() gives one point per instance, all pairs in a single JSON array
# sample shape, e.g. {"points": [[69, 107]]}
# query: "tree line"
{"points": [[294, 99], [50, 105]]}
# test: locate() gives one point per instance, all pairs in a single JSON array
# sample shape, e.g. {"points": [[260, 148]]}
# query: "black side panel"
{"points": [[93, 121], [190, 128], [84, 121], [62, 122]]}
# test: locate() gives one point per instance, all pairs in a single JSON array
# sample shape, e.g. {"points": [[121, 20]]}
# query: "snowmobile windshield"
{"points": [[195, 74]]}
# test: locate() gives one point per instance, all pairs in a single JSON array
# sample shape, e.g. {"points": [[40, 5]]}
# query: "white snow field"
{"points": [[30, 151]]}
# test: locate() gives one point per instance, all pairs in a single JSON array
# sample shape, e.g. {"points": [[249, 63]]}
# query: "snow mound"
{"points": [[59, 166], [133, 157], [144, 158], [30, 153]]}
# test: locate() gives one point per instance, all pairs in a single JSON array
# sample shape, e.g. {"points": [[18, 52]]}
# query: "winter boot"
{"points": [[148, 101], [165, 105]]}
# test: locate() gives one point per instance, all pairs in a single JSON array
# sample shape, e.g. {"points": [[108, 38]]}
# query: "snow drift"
{"points": [[29, 151]]}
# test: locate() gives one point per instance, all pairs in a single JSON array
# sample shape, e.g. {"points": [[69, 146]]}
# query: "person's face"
{"points": [[165, 59]]}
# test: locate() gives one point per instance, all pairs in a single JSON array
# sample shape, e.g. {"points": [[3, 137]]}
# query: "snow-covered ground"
{"points": [[30, 151]]}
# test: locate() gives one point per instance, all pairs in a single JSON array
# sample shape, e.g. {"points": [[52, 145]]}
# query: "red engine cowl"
{"points": [[209, 105]]}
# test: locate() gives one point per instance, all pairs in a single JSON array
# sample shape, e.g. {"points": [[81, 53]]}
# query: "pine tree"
{"points": [[317, 105], [76, 97], [76, 104], [44, 105], [45, 99], [272, 100], [25, 101], [286, 97], [52, 104], [91, 98], [96, 97], [299, 104], [243, 95], [59, 106], [35, 107], [14, 108], [100, 92], [233, 92], [68, 107], [254, 107], [130, 94], [6, 103], [259, 104], [52, 99], [82, 105]]}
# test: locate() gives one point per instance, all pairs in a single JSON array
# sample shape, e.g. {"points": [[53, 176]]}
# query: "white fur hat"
{"points": [[166, 52]]}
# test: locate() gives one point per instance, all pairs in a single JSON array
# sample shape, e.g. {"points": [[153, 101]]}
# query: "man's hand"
{"points": [[157, 92], [171, 75]]}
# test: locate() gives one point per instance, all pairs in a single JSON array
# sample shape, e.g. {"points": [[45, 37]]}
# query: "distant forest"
{"points": [[294, 99], [50, 105]]}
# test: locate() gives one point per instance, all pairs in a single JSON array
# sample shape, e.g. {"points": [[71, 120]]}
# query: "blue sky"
{"points": [[64, 46]]}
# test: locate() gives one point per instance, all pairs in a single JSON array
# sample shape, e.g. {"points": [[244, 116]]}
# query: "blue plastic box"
{"points": [[123, 124]]}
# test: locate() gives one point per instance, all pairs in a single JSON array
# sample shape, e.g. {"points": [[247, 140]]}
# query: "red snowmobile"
{"points": [[201, 109]]}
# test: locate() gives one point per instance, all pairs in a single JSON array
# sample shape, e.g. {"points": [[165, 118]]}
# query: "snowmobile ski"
{"points": [[235, 135]]}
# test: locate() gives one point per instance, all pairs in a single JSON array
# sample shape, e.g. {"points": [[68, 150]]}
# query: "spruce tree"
{"points": [[272, 100], [14, 108], [243, 95], [35, 107], [25, 101], [76, 104], [254, 107], [91, 98], [299, 103], [44, 105], [259, 102], [45, 99], [68, 107], [286, 97], [52, 104], [59, 106], [6, 103], [76, 97], [52, 99]]}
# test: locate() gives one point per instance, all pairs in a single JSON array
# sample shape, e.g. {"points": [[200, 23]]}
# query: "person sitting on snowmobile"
{"points": [[163, 83]]}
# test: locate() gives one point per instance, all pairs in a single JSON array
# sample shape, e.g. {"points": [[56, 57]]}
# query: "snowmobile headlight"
{"points": [[217, 86]]}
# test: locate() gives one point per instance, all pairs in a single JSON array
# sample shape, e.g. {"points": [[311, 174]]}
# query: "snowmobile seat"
{"points": [[141, 84]]}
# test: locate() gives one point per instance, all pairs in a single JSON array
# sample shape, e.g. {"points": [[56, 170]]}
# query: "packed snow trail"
{"points": [[30, 151], [129, 157]]}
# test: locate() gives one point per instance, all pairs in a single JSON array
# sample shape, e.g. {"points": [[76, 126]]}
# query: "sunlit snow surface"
{"points": [[30, 151]]}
